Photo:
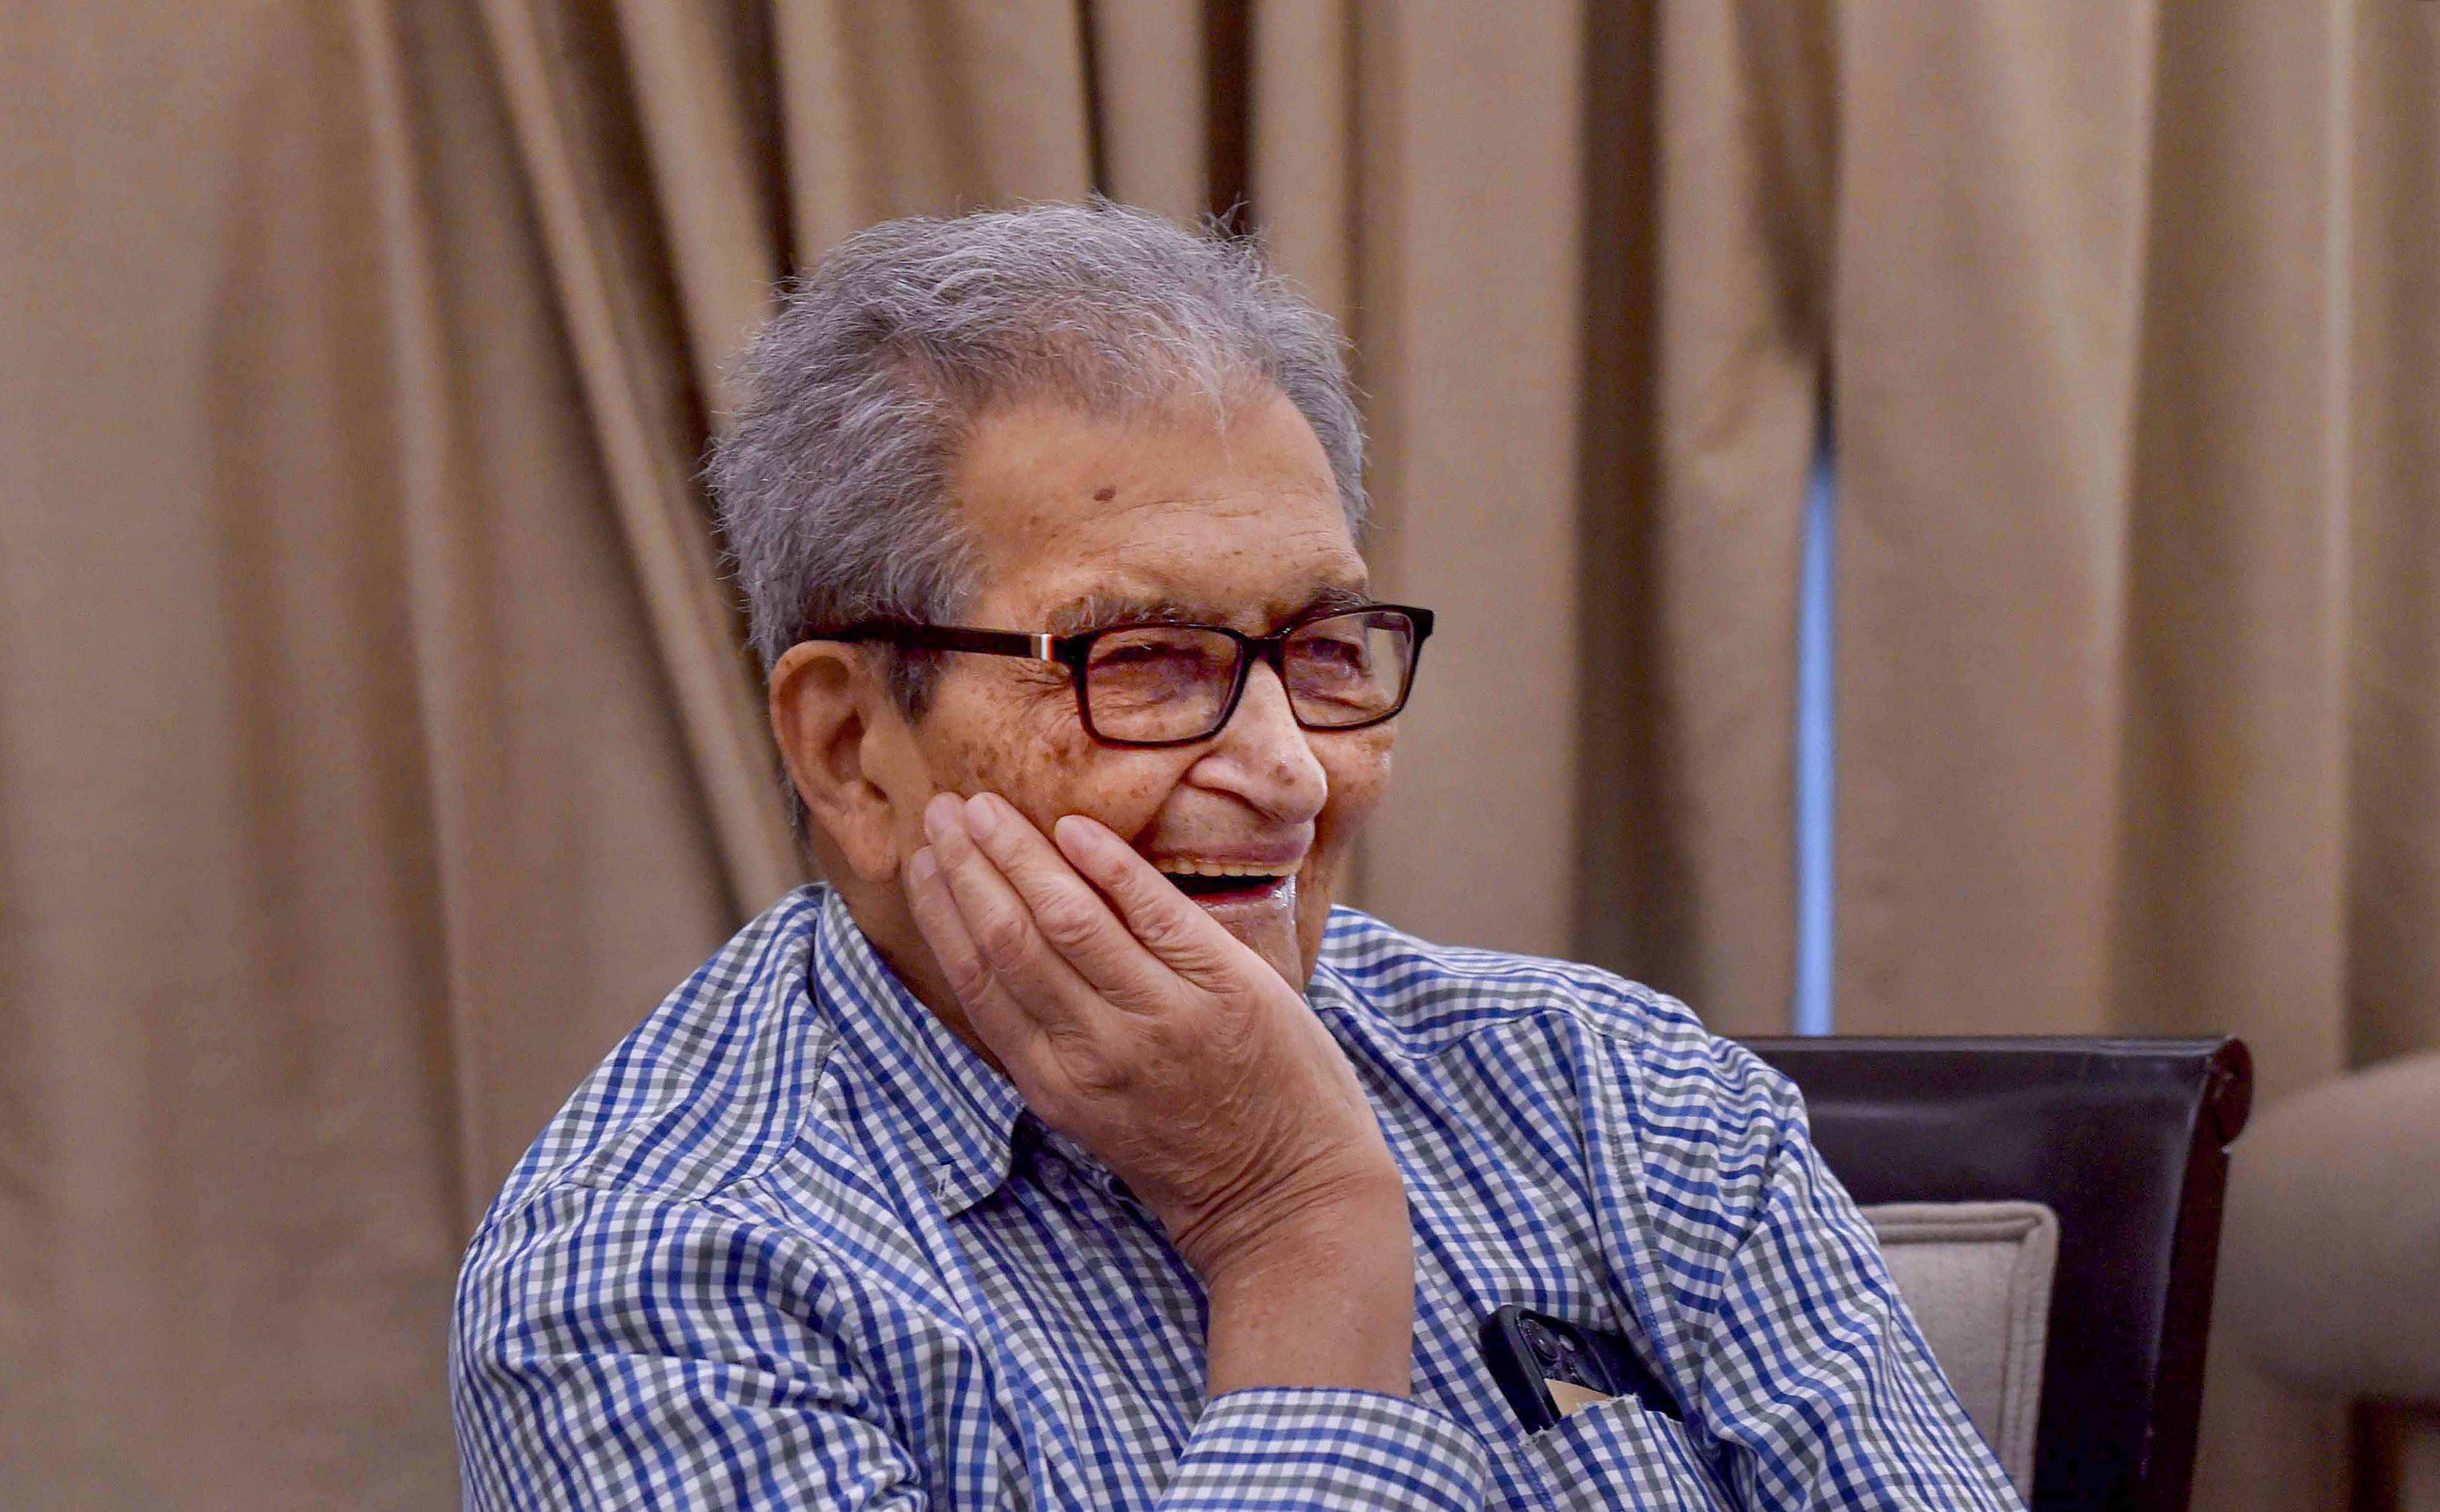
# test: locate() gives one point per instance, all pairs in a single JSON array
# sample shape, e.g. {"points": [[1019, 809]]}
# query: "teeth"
{"points": [[1217, 868]]}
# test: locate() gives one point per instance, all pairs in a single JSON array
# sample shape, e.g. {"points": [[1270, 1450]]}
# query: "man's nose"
{"points": [[1267, 756]]}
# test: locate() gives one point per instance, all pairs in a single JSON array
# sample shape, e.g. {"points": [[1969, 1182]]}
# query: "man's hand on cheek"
{"points": [[1132, 1022]]}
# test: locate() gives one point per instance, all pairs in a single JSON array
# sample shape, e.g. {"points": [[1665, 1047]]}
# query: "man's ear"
{"points": [[838, 730]]}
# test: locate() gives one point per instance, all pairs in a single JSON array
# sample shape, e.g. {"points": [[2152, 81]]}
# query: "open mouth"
{"points": [[1219, 882]]}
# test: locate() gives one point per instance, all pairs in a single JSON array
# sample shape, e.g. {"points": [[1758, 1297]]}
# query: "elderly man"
{"points": [[1068, 1149]]}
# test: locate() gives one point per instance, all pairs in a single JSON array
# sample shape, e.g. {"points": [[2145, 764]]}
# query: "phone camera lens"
{"points": [[1548, 1347]]}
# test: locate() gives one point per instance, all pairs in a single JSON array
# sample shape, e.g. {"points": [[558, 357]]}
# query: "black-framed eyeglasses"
{"points": [[1175, 684]]}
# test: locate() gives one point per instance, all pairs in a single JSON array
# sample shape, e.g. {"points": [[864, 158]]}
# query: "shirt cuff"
{"points": [[1311, 1448]]}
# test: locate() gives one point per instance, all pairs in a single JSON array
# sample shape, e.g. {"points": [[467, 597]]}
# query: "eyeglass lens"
{"points": [[1156, 682]]}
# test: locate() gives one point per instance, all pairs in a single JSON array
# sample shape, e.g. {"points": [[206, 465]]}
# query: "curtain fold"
{"points": [[1302, 99], [1739, 197], [893, 109], [611, 268], [1465, 292], [343, 817], [2392, 952], [1990, 269], [1151, 95]]}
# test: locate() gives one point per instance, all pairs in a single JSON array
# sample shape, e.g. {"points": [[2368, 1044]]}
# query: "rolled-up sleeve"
{"points": [[1317, 1449]]}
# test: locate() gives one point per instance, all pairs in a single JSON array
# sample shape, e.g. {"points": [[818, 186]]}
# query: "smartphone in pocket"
{"points": [[1549, 1368]]}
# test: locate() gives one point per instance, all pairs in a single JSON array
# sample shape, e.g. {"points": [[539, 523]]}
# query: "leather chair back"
{"points": [[2126, 1141]]}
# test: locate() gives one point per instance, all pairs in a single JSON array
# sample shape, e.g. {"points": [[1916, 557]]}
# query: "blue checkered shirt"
{"points": [[794, 1245]]}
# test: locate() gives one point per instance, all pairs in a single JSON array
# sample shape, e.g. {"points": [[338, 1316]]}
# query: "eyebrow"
{"points": [[1104, 609]]}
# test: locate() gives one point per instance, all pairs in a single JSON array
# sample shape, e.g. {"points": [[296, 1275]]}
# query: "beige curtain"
{"points": [[373, 748], [348, 803]]}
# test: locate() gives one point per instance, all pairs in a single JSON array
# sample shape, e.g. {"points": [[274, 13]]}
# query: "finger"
{"points": [[1007, 942], [1185, 938], [1048, 1066], [992, 1011], [1077, 921]]}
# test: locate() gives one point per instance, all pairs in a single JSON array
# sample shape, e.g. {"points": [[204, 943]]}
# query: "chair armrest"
{"points": [[2331, 1256]]}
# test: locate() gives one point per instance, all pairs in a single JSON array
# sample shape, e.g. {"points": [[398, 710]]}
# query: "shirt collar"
{"points": [[961, 1116]]}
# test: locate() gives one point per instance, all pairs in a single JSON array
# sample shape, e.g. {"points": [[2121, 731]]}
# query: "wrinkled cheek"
{"points": [[998, 762], [1050, 772], [1126, 801], [1359, 778], [1007, 757]]}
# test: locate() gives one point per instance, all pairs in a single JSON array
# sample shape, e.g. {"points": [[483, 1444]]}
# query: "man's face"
{"points": [[1083, 523]]}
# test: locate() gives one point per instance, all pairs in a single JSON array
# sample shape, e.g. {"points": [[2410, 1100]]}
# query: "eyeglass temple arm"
{"points": [[954, 638]]}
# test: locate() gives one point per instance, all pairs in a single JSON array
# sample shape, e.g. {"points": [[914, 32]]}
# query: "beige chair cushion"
{"points": [[1977, 1276]]}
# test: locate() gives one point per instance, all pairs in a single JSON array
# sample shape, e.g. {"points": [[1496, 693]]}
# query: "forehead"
{"points": [[1234, 514]]}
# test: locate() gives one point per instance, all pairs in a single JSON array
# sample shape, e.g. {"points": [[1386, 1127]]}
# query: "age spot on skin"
{"points": [[1105, 495]]}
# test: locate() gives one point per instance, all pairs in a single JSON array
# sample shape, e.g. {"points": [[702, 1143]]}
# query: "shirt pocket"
{"points": [[1617, 1453]]}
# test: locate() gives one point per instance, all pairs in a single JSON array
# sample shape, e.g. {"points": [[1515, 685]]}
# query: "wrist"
{"points": [[1318, 1305], [1352, 1218], [1364, 1240]]}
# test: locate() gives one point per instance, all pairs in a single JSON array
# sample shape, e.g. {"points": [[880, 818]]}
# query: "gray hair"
{"points": [[854, 402]]}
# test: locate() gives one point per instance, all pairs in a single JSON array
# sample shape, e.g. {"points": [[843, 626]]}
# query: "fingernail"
{"points": [[1073, 832], [940, 816], [922, 867], [979, 817]]}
